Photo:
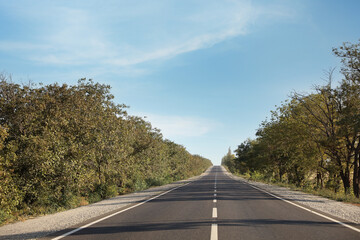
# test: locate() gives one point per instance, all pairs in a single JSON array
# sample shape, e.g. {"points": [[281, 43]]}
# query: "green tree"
{"points": [[348, 102], [228, 161]]}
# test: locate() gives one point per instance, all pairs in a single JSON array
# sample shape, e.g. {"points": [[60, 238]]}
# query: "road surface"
{"points": [[213, 207]]}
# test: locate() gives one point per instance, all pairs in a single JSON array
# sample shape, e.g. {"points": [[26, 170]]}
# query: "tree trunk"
{"points": [[319, 180], [346, 181], [280, 172], [356, 176]]}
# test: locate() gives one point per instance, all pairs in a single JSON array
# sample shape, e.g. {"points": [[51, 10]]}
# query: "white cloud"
{"points": [[180, 126]]}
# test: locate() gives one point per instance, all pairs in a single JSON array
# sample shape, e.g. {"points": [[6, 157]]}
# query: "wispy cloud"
{"points": [[180, 126], [21, 46], [198, 42], [124, 35]]}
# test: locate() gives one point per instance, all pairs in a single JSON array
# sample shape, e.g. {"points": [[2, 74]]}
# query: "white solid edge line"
{"points": [[214, 232], [214, 213], [309, 210], [111, 215]]}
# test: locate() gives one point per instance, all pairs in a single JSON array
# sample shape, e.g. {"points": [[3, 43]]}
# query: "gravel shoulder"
{"points": [[347, 212], [41, 226]]}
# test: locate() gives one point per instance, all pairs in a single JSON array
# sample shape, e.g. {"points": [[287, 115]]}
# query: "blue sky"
{"points": [[206, 73]]}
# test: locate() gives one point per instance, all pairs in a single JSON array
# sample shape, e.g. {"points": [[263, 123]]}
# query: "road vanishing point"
{"points": [[213, 207]]}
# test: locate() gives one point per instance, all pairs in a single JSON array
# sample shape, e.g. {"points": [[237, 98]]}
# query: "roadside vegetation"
{"points": [[64, 146], [311, 141]]}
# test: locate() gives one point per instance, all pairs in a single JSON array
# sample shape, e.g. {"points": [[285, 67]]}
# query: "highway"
{"points": [[213, 207]]}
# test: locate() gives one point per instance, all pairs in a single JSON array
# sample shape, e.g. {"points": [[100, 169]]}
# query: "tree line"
{"points": [[313, 139], [61, 146]]}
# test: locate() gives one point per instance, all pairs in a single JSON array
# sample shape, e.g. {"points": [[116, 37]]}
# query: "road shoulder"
{"points": [[348, 212]]}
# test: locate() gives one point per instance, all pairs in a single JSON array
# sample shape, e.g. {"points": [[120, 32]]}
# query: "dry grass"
{"points": [[83, 201]]}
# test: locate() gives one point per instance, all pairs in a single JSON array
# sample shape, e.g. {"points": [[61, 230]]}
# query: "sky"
{"points": [[204, 72]]}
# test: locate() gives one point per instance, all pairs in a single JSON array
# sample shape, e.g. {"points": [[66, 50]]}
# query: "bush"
{"points": [[140, 184], [111, 191], [4, 216], [94, 197]]}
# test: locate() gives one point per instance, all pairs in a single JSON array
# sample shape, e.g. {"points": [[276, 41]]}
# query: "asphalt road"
{"points": [[214, 207]]}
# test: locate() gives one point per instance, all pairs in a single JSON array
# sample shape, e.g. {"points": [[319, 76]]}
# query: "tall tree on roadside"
{"points": [[321, 111], [348, 104], [228, 161]]}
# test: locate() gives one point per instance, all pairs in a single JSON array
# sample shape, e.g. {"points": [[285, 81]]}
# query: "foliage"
{"points": [[62, 145]]}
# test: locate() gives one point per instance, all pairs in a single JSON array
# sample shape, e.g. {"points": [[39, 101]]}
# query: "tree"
{"points": [[228, 160], [348, 100]]}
